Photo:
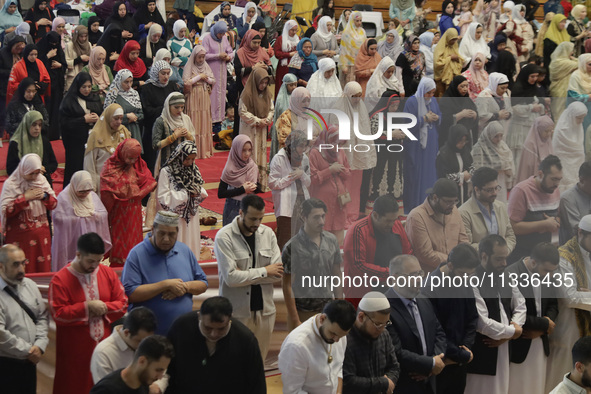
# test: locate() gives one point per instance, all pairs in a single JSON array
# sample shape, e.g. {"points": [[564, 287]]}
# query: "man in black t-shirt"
{"points": [[149, 364]]}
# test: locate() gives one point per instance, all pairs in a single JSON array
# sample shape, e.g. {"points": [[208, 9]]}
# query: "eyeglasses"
{"points": [[492, 189], [381, 325]]}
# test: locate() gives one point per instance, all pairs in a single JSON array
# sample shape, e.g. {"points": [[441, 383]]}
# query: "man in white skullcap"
{"points": [[370, 364], [574, 303], [163, 274]]}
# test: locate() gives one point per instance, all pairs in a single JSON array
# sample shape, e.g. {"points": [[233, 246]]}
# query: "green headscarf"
{"points": [[26, 143]]}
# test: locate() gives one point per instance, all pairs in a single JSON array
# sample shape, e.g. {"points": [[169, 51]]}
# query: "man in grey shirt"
{"points": [[23, 324], [574, 204]]}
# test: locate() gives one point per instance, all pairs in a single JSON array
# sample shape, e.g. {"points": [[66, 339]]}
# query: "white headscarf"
{"points": [[318, 86], [357, 160], [425, 86], [322, 30], [81, 181], [568, 143], [248, 6], [515, 13], [175, 122], [580, 80], [470, 46], [378, 84], [494, 80], [177, 27], [161, 54], [289, 44]]}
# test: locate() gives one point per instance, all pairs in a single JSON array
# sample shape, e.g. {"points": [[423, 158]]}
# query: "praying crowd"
{"points": [[468, 157]]}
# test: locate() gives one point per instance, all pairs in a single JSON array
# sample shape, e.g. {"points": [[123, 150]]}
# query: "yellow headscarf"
{"points": [[351, 41], [445, 69], [554, 33]]}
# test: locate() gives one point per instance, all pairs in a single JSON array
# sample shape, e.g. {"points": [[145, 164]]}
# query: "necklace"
{"points": [[329, 350]]}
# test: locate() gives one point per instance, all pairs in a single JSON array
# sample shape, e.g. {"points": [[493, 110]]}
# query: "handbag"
{"points": [[342, 198]]}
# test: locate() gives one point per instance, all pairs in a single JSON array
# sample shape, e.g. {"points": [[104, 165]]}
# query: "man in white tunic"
{"points": [[311, 357], [574, 303], [501, 314]]}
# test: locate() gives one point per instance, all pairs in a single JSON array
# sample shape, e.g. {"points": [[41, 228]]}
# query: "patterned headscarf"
{"points": [[116, 89], [155, 70]]}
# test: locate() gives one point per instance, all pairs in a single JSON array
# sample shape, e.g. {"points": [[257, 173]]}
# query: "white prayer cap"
{"points": [[118, 111], [166, 218], [508, 5], [374, 301], [585, 223]]}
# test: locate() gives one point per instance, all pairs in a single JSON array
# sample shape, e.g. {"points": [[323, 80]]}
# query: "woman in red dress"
{"points": [[125, 181]]}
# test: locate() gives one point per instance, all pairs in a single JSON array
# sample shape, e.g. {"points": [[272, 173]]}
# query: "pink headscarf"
{"points": [[237, 171], [479, 77], [56, 22], [192, 69], [534, 149]]}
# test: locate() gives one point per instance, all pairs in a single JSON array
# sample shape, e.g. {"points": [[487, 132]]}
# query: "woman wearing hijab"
{"points": [[447, 61], [344, 20], [79, 211], [153, 95], [526, 108], [536, 147], [561, 67], [198, 80], [457, 108], [404, 11], [121, 18], [454, 160], [330, 174], [555, 35], [491, 151], [151, 44], [476, 75], [256, 112], [289, 180], [446, 21], [77, 53], [494, 103], [54, 59], [490, 14], [59, 26], [29, 66], [304, 63], [352, 40], [39, 18], [391, 47], [10, 18], [219, 53], [323, 40], [426, 48], [130, 60], [239, 177], [171, 128], [125, 181], [579, 89], [497, 45], [79, 112], [28, 139], [324, 82], [26, 197], [568, 143], [412, 63], [262, 29], [295, 116], [577, 29], [94, 33], [419, 156], [520, 34], [26, 99], [180, 46], [249, 17], [473, 43], [106, 134], [366, 62], [100, 73], [10, 54], [22, 30], [226, 15], [113, 43], [389, 103], [180, 191], [539, 47], [382, 79], [146, 17], [290, 83], [285, 47]]}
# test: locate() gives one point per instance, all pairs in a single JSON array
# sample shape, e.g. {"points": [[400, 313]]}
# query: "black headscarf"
{"points": [[506, 65], [143, 16], [453, 103], [326, 10], [111, 39], [6, 50], [70, 107], [384, 102], [444, 6], [53, 41], [447, 161], [125, 23], [32, 68], [261, 25], [19, 97], [35, 14], [523, 92], [93, 37]]}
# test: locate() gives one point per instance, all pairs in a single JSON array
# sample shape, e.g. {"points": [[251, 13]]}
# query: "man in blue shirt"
{"points": [[163, 274]]}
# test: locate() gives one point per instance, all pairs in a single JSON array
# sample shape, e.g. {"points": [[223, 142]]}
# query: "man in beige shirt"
{"points": [[435, 227]]}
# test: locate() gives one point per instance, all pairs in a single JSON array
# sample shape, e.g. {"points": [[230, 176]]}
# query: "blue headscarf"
{"points": [[219, 27], [312, 60], [9, 20]]}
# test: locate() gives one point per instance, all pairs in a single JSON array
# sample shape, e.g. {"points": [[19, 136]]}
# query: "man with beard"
{"points": [[483, 214], [533, 208], [370, 364], [436, 226], [23, 324], [455, 308], [574, 302], [575, 203], [416, 333], [162, 274], [501, 314], [578, 381], [149, 364], [311, 357], [85, 298], [214, 353]]}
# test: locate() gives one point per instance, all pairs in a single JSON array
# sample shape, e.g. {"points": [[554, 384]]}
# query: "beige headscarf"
{"points": [[98, 72], [445, 69], [580, 80], [102, 136], [81, 181]]}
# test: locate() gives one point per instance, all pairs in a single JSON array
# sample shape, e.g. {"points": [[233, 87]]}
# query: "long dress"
{"points": [[54, 95], [220, 72], [560, 68]]}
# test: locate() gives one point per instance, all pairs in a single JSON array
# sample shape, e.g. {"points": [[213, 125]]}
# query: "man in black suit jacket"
{"points": [[530, 352], [420, 344]]}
